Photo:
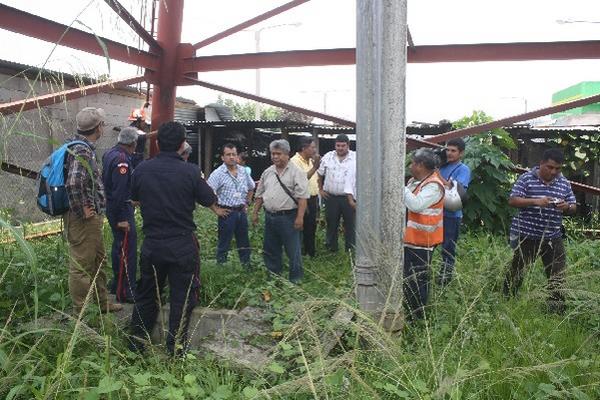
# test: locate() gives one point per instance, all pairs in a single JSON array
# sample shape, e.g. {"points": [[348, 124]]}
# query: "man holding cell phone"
{"points": [[542, 195]]}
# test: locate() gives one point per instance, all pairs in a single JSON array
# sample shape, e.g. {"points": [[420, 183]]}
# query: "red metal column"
{"points": [[170, 18]]}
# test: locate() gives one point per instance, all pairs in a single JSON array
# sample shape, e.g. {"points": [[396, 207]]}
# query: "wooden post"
{"points": [[315, 135], [199, 148], [208, 151]]}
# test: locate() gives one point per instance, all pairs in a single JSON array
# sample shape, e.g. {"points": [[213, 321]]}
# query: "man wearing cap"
{"points": [[283, 190], [116, 176], [167, 189], [234, 189], [83, 222], [333, 173]]}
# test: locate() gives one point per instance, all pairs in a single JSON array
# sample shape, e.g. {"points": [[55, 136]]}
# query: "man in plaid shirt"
{"points": [[83, 222], [234, 188]]}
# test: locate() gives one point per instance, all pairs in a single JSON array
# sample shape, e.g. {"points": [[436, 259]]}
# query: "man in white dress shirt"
{"points": [[333, 173]]}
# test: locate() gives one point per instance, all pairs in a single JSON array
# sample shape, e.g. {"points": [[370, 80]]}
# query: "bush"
{"points": [[491, 175]]}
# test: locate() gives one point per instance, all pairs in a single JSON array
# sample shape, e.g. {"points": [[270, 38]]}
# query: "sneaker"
{"points": [[112, 307]]}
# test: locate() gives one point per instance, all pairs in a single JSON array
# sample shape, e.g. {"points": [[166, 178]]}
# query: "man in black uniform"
{"points": [[168, 189]]}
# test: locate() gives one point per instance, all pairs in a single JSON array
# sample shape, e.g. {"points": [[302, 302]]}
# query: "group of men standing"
{"points": [[542, 196], [166, 189]]}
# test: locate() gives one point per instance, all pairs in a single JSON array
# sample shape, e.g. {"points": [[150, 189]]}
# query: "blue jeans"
{"points": [[280, 232], [236, 223], [130, 262], [451, 232]]}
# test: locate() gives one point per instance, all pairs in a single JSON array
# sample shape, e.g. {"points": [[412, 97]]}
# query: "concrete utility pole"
{"points": [[257, 82], [381, 144]]}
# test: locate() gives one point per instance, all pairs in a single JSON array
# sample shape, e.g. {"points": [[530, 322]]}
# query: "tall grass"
{"points": [[474, 344]]}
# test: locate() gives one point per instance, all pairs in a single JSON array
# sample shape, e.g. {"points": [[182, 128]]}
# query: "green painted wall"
{"points": [[578, 91]]}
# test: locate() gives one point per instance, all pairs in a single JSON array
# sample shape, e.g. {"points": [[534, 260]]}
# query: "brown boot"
{"points": [[112, 307]]}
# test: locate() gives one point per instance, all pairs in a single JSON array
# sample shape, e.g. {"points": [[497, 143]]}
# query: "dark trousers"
{"points": [[553, 256], [451, 232], [176, 259], [337, 207], [310, 225], [416, 281], [280, 232], [129, 262], [235, 224]]}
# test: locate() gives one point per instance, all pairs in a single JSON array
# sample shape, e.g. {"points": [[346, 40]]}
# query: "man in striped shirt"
{"points": [[542, 195]]}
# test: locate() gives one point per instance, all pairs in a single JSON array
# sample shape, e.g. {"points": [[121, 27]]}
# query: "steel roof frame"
{"points": [[170, 63]]}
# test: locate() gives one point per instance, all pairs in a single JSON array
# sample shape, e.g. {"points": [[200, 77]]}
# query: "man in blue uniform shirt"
{"points": [[453, 170], [116, 176], [167, 189]]}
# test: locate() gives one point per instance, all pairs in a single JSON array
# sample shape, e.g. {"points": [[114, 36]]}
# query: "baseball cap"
{"points": [[89, 118]]}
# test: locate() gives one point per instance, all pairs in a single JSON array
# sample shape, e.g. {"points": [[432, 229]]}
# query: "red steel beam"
{"points": [[48, 99], [411, 142], [239, 93], [416, 54], [248, 23], [511, 120], [28, 24], [581, 187], [278, 59], [170, 18], [525, 51], [134, 24]]}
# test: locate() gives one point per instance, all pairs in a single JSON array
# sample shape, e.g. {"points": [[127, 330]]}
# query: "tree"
{"points": [[247, 110], [492, 174]]}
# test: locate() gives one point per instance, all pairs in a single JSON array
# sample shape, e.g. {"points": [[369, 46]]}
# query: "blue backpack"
{"points": [[52, 195]]}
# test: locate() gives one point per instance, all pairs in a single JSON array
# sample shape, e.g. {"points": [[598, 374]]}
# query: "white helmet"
{"points": [[452, 201]]}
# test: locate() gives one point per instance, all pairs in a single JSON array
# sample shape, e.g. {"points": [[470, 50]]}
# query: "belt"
{"points": [[234, 208], [283, 212]]}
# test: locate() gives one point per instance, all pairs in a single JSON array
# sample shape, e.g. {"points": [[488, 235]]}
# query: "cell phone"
{"points": [[555, 202]]}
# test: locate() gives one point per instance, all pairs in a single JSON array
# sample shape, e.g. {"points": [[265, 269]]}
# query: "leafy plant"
{"points": [[247, 110], [491, 175], [581, 152]]}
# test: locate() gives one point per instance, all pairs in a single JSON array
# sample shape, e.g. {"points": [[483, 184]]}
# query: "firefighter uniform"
{"points": [[116, 176], [168, 189]]}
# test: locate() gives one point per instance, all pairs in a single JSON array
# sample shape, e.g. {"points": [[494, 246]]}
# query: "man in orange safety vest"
{"points": [[424, 199]]}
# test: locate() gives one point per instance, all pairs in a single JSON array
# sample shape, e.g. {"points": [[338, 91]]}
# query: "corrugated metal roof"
{"points": [[549, 128]]}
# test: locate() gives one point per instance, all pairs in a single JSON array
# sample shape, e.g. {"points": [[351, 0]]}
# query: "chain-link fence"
{"points": [[28, 138]]}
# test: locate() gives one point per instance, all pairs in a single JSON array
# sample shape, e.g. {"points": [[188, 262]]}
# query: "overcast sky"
{"points": [[435, 91]]}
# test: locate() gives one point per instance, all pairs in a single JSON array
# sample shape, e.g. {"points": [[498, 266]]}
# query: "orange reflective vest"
{"points": [[426, 228]]}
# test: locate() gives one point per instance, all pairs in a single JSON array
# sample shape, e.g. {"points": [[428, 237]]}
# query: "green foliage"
{"points": [[582, 152], [491, 175], [247, 109], [474, 344]]}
